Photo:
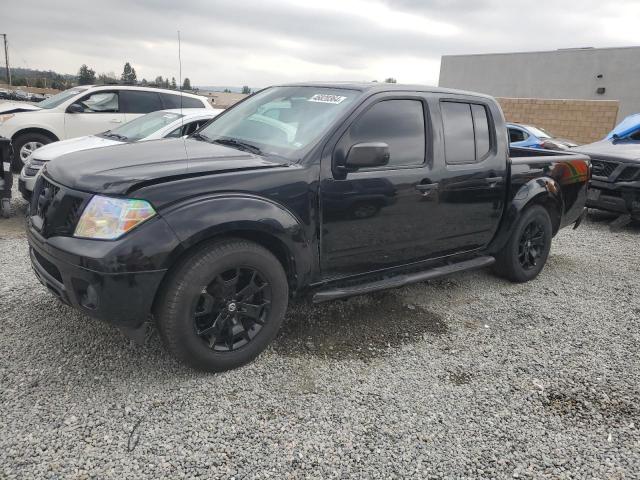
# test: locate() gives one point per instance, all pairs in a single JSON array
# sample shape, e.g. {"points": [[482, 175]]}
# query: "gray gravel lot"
{"points": [[467, 377]]}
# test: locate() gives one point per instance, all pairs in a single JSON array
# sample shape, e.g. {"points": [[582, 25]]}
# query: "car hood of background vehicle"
{"points": [[118, 169], [57, 149], [17, 107], [615, 150]]}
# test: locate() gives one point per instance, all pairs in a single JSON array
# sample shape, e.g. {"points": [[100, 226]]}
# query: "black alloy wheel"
{"points": [[232, 309], [531, 245], [525, 253], [222, 304]]}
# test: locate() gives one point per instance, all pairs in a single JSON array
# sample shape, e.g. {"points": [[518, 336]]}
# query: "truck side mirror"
{"points": [[75, 108], [367, 155]]}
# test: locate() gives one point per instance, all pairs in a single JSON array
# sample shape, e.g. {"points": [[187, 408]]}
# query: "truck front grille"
{"points": [[55, 209], [602, 168], [629, 174]]}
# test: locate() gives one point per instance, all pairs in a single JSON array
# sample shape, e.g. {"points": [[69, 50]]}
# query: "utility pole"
{"points": [[6, 58]]}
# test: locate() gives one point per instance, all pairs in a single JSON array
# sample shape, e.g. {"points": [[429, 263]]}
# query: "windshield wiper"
{"points": [[110, 134], [233, 142], [200, 136]]}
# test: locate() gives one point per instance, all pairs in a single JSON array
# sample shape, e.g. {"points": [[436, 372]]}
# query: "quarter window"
{"points": [[467, 137], [173, 101], [399, 124]]}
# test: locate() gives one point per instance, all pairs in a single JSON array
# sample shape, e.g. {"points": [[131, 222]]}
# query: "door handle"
{"points": [[493, 180], [426, 187], [115, 121]]}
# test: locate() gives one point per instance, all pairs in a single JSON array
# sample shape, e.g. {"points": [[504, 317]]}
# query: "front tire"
{"points": [[526, 252], [223, 305], [24, 145]]}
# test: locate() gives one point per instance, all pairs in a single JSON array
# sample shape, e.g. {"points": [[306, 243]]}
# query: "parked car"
{"points": [[4, 94], [37, 97], [152, 126], [81, 111], [210, 235], [615, 163], [534, 137]]}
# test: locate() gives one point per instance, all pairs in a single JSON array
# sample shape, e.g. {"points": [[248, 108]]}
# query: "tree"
{"points": [[39, 83], [226, 90], [173, 83], [159, 81], [166, 83], [144, 82], [86, 76], [246, 90], [107, 79], [128, 76], [186, 85], [390, 80]]}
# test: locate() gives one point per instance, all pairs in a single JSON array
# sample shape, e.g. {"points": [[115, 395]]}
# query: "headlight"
{"points": [[4, 118], [108, 218]]}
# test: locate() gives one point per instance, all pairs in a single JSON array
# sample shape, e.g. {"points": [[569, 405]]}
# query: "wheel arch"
{"points": [[544, 191], [42, 131], [246, 217]]}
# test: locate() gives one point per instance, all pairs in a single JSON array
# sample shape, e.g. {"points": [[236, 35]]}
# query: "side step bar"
{"points": [[402, 279]]}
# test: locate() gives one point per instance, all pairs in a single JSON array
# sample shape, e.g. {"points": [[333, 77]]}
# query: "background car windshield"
{"points": [[57, 99], [144, 126], [538, 132], [282, 121]]}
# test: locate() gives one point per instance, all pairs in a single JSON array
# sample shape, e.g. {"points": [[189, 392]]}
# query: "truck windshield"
{"points": [[143, 126], [58, 98], [281, 121]]}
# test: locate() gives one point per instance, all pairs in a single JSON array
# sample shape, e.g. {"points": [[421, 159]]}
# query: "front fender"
{"points": [[199, 219]]}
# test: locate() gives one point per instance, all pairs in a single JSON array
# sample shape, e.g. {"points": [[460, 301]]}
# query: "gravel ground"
{"points": [[467, 377]]}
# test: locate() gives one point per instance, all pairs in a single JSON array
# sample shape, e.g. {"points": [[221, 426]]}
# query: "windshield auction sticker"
{"points": [[325, 98]]}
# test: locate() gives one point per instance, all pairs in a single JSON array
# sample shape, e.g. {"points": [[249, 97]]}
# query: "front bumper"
{"points": [[92, 277], [619, 197]]}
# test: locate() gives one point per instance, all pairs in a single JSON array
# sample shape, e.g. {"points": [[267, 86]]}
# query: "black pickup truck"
{"points": [[326, 190]]}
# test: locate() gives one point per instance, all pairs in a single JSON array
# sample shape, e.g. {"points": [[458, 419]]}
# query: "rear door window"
{"points": [[135, 101], [517, 135], [467, 135]]}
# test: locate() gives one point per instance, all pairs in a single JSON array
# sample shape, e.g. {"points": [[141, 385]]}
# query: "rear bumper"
{"points": [[621, 197], [124, 299]]}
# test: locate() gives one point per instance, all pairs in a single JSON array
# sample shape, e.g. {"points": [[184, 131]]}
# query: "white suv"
{"points": [[81, 111]]}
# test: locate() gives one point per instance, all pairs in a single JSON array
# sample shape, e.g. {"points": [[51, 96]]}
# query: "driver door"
{"points": [[100, 112]]}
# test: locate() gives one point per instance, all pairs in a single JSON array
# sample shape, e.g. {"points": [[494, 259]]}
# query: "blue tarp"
{"points": [[626, 127]]}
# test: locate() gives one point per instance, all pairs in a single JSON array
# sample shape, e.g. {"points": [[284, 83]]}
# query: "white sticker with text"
{"points": [[325, 98]]}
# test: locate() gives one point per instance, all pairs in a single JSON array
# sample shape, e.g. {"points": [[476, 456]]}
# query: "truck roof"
{"points": [[374, 87]]}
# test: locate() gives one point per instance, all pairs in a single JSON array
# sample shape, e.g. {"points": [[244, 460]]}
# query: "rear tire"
{"points": [[25, 144], [223, 305], [526, 252]]}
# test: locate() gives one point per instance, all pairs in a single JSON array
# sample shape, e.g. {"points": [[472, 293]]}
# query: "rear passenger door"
{"points": [[135, 103], [470, 168]]}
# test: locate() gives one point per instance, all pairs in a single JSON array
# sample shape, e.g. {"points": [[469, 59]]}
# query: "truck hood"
{"points": [[57, 149], [17, 107], [119, 169], [624, 150]]}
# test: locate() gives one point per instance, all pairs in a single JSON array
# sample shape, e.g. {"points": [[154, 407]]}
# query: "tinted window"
{"points": [[399, 124], [516, 135], [467, 138], [481, 129], [187, 129], [173, 101], [459, 143], [100, 102], [134, 101]]}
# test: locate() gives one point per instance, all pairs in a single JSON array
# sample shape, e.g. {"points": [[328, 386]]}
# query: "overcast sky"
{"points": [[257, 43]]}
